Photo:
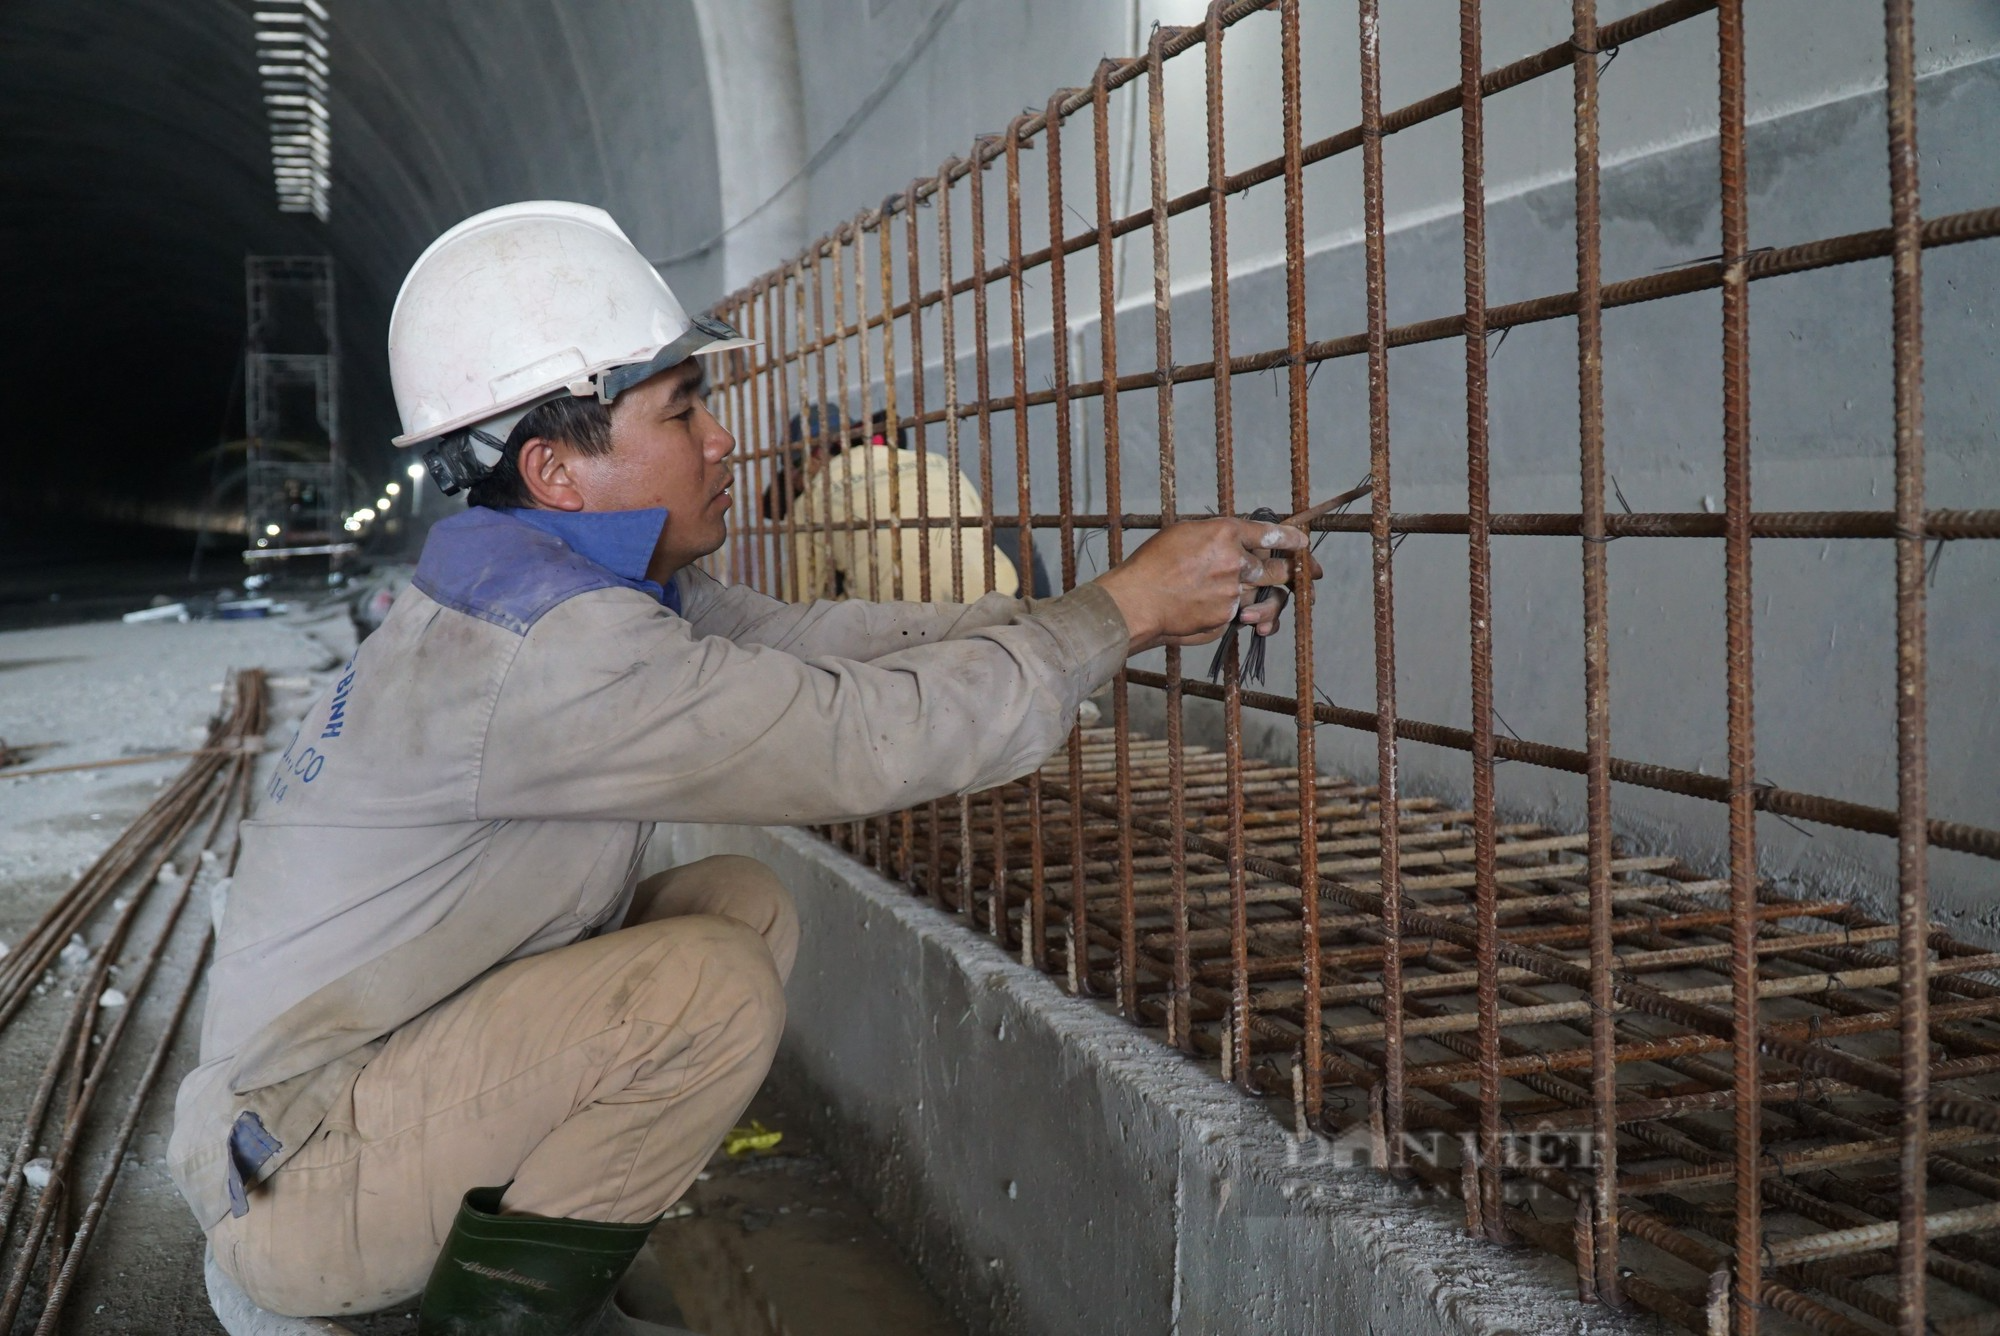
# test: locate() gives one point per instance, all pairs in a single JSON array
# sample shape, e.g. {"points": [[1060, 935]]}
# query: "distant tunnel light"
{"points": [[416, 472], [394, 489], [292, 63], [272, 530]]}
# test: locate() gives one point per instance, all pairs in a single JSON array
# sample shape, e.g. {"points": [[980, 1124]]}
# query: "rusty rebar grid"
{"points": [[1770, 1105]]}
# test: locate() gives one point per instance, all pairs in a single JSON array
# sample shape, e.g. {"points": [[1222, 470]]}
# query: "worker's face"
{"points": [[667, 451]]}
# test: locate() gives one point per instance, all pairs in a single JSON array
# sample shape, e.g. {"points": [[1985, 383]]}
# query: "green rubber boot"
{"points": [[524, 1275]]}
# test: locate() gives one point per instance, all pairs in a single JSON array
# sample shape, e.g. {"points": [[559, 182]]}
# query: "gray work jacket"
{"points": [[480, 782]]}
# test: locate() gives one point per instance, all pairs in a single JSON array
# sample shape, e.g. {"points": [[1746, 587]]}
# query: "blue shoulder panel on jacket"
{"points": [[487, 564]]}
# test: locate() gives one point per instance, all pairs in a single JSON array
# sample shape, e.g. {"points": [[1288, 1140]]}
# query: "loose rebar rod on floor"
{"points": [[209, 796]]}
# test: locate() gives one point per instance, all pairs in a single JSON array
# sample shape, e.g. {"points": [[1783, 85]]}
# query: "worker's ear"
{"points": [[544, 468]]}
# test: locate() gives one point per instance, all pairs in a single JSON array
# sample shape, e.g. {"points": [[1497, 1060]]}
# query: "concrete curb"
{"points": [[1051, 1169]]}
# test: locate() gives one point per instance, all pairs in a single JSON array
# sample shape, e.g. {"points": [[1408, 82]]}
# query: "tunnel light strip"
{"points": [[292, 63]]}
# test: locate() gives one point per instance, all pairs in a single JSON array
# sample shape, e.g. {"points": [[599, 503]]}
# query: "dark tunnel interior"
{"points": [[136, 156]]}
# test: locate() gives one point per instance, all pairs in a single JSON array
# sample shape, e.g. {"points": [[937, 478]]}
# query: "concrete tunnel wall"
{"points": [[1821, 394]]}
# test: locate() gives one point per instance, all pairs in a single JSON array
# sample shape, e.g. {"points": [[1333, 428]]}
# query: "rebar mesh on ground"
{"points": [[1827, 975]]}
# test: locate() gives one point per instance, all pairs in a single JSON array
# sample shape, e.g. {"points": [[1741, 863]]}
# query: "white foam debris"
{"points": [[111, 997], [75, 954], [168, 873], [209, 855], [218, 902], [120, 905], [37, 1173], [3, 950]]}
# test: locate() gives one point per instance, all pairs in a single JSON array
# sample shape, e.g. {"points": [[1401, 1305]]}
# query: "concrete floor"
{"points": [[771, 1244]]}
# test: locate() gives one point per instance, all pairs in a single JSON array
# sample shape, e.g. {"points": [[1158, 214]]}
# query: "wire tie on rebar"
{"points": [[1609, 57], [1931, 566], [1619, 492]]}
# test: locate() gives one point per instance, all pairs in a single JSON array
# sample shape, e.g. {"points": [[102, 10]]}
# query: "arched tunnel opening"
{"points": [[138, 156]]}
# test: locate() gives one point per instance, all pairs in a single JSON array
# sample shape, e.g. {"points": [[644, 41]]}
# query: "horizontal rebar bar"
{"points": [[1955, 835]]}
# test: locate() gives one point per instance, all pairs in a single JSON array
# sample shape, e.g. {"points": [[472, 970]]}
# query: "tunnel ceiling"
{"points": [[136, 162]]}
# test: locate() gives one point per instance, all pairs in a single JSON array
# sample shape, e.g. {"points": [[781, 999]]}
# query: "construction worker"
{"points": [[452, 1047], [844, 481]]}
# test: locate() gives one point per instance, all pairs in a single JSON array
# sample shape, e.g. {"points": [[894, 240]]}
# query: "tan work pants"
{"points": [[597, 1079]]}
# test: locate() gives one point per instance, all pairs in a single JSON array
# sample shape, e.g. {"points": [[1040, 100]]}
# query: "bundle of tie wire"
{"points": [[1253, 658]]}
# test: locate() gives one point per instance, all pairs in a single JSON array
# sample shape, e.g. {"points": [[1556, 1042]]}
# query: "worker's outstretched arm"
{"points": [[648, 721], [839, 628]]}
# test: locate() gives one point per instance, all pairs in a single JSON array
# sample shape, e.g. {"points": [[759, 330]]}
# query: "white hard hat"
{"points": [[522, 303]]}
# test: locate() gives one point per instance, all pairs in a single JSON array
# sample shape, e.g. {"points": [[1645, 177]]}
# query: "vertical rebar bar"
{"points": [[948, 337], [758, 446], [1179, 1027], [904, 821], [827, 423], [1479, 585], [1310, 1073], [821, 444], [1225, 502], [919, 441], [1912, 848], [749, 445], [725, 395], [1079, 923], [983, 377], [891, 418], [784, 577], [812, 395], [913, 256], [856, 830], [774, 435], [861, 438], [861, 433], [1382, 557], [1746, 1073], [1035, 928], [802, 589], [839, 268], [1114, 533], [1596, 653]]}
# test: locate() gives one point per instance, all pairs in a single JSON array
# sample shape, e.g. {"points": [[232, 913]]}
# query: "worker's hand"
{"points": [[1189, 582]]}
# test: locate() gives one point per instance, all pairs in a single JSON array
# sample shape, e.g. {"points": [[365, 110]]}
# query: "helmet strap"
{"points": [[462, 459]]}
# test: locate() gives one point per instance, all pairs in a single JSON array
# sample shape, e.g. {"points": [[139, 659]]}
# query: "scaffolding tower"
{"points": [[292, 409]]}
